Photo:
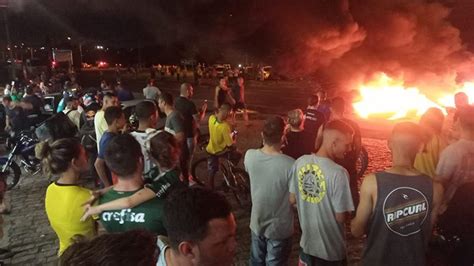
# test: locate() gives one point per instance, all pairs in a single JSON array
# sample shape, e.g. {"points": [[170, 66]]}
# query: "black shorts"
{"points": [[308, 260], [239, 106]]}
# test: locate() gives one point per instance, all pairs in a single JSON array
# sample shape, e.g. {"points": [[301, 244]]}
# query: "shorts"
{"points": [[238, 106]]}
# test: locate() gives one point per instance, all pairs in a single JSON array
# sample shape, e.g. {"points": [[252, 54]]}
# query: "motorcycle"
{"points": [[23, 146]]}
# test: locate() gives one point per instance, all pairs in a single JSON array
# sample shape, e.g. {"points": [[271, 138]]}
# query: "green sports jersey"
{"points": [[148, 215], [163, 183]]}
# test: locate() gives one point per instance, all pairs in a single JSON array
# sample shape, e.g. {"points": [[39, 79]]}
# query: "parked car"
{"points": [[86, 65], [102, 64], [220, 70]]}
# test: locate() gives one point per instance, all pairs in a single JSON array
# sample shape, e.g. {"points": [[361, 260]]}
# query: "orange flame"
{"points": [[386, 97], [468, 88]]}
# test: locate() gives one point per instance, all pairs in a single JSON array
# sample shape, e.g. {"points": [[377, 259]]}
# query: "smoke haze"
{"points": [[345, 40], [406, 39]]}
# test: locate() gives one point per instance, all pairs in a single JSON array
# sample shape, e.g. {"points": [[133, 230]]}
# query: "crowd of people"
{"points": [[398, 209], [148, 209]]}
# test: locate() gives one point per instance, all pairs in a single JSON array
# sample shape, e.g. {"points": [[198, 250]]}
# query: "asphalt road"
{"points": [[267, 96], [264, 97]]}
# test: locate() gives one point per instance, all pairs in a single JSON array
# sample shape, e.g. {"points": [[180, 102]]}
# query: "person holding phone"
{"points": [[221, 139]]}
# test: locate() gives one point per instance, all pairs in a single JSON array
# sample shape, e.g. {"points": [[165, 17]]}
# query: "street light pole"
{"points": [[80, 53], [7, 35]]}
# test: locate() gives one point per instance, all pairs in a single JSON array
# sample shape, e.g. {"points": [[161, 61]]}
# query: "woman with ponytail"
{"points": [[67, 159]]}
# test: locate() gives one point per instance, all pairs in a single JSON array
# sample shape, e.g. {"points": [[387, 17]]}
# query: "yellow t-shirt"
{"points": [[64, 211], [219, 136], [426, 161]]}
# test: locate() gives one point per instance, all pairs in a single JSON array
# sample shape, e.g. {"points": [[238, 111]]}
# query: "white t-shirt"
{"points": [[270, 178], [163, 245], [456, 166], [141, 137], [322, 189]]}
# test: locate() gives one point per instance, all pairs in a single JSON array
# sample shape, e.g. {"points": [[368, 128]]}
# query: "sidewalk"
{"points": [[26, 230]]}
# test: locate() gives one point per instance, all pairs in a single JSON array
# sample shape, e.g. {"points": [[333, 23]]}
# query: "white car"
{"points": [[220, 70]]}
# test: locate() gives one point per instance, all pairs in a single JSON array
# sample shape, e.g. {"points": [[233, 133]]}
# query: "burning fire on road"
{"points": [[386, 97]]}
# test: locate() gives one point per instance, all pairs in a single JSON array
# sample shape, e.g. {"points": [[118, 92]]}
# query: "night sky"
{"points": [[260, 29], [124, 22]]}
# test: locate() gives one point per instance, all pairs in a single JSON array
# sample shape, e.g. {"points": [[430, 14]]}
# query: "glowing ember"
{"points": [[388, 98]]}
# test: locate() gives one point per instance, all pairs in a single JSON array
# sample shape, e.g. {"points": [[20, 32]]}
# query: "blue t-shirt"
{"points": [[104, 141], [124, 95]]}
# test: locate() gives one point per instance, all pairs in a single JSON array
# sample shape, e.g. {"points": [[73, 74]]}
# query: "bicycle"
{"points": [[362, 162], [234, 178]]}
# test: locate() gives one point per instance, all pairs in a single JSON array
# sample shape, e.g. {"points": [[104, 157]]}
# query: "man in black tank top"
{"points": [[223, 94], [398, 206]]}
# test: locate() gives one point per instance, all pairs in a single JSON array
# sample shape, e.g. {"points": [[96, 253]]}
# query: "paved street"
{"points": [[266, 97], [28, 234], [26, 229]]}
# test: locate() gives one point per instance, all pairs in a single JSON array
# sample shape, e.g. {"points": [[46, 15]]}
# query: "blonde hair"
{"points": [[295, 117], [57, 157]]}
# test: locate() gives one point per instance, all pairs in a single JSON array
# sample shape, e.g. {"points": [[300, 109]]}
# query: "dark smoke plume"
{"points": [[409, 39]]}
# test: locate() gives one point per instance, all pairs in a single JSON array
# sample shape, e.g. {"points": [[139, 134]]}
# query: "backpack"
{"points": [[87, 132]]}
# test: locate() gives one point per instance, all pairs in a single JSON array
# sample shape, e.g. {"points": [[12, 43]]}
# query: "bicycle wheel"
{"points": [[240, 186], [199, 171], [362, 162], [202, 141]]}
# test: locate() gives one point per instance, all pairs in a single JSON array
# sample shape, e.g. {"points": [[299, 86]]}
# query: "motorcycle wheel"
{"points": [[12, 175]]}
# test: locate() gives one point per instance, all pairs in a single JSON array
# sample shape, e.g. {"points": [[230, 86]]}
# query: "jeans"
{"points": [[269, 252], [191, 143], [212, 168]]}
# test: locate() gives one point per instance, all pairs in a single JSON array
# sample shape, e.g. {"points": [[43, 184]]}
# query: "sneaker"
{"points": [[192, 183]]}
